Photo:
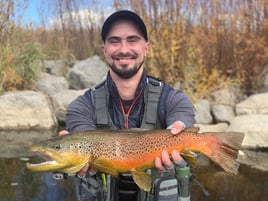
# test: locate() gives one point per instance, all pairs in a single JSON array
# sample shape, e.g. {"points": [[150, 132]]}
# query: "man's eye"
{"points": [[132, 40], [114, 41]]}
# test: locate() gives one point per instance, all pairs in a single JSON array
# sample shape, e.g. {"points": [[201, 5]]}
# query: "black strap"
{"points": [[100, 99], [151, 99], [152, 93]]}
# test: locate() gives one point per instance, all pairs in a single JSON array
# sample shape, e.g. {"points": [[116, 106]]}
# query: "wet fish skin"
{"points": [[118, 151]]}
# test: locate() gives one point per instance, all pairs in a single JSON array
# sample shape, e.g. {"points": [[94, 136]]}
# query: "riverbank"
{"points": [[44, 109]]}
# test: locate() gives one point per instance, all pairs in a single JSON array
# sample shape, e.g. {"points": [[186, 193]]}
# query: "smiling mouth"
{"points": [[124, 56]]}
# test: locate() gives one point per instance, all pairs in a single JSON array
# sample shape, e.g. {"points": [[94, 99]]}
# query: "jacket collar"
{"points": [[113, 91]]}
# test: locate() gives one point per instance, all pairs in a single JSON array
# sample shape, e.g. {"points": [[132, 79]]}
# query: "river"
{"points": [[18, 184]]}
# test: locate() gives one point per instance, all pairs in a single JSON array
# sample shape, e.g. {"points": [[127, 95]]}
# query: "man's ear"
{"points": [[147, 48], [103, 49]]}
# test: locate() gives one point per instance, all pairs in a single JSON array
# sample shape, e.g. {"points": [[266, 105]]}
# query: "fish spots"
{"points": [[79, 146]]}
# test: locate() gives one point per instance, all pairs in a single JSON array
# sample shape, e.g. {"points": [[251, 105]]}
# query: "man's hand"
{"points": [[164, 162], [176, 127], [63, 132]]}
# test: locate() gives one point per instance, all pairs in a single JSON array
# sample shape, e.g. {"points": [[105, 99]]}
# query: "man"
{"points": [[128, 98]]}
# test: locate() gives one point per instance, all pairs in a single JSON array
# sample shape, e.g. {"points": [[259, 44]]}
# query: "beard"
{"points": [[125, 73]]}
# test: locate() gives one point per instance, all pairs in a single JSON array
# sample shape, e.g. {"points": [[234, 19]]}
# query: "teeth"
{"points": [[43, 163]]}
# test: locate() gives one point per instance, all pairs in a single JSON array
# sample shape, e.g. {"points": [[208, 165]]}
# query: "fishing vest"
{"points": [[151, 118], [107, 188]]}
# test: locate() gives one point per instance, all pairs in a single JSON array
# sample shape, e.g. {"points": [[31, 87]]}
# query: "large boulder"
{"points": [[223, 113], [203, 112], [220, 127], [87, 73], [227, 96], [254, 158], [26, 110], [55, 67], [255, 128], [50, 84], [61, 100], [255, 104]]}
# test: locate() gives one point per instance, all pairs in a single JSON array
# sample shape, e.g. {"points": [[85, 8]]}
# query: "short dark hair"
{"points": [[123, 15]]}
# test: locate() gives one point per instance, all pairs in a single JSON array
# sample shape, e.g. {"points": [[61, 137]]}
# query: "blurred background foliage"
{"points": [[204, 45]]}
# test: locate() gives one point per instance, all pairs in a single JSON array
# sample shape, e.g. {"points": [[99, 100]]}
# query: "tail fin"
{"points": [[225, 152]]}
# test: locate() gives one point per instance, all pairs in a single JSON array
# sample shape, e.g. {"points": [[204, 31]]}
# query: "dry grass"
{"points": [[19, 56], [208, 44], [205, 45]]}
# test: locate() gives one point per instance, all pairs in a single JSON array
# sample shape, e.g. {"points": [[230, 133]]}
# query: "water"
{"points": [[249, 185], [18, 184]]}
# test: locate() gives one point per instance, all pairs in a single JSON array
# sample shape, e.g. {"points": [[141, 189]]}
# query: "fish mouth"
{"points": [[52, 160]]}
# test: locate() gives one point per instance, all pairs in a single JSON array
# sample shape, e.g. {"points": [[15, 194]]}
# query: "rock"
{"points": [[223, 113], [87, 73], [55, 67], [228, 96], [177, 85], [255, 128], [256, 159], [255, 104], [26, 110], [220, 127], [202, 113], [50, 84], [62, 99]]}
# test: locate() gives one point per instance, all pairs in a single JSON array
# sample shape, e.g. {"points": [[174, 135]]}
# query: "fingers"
{"points": [[166, 159], [82, 173], [176, 157], [164, 162], [159, 165], [63, 132], [176, 127]]}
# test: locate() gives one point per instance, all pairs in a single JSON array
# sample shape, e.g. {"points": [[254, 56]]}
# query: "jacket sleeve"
{"points": [[179, 108], [80, 114]]}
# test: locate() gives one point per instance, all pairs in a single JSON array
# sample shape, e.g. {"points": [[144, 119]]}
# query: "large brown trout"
{"points": [[118, 151]]}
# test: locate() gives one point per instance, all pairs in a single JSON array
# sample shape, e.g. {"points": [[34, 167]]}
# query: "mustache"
{"points": [[119, 56]]}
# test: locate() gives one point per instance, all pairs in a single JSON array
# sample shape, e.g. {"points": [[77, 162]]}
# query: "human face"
{"points": [[125, 49]]}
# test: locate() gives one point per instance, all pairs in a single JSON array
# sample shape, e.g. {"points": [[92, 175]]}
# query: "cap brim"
{"points": [[123, 15]]}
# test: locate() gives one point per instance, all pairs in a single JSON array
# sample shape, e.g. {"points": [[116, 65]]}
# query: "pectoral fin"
{"points": [[142, 179], [104, 165]]}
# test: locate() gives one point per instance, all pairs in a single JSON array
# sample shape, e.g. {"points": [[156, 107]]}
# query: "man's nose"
{"points": [[124, 46]]}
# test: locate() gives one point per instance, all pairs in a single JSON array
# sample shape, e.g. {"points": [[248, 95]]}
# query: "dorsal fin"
{"points": [[191, 130]]}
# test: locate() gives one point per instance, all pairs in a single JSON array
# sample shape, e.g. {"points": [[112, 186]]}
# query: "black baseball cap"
{"points": [[123, 15]]}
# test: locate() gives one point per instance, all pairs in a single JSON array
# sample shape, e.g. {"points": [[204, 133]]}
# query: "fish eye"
{"points": [[56, 146]]}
